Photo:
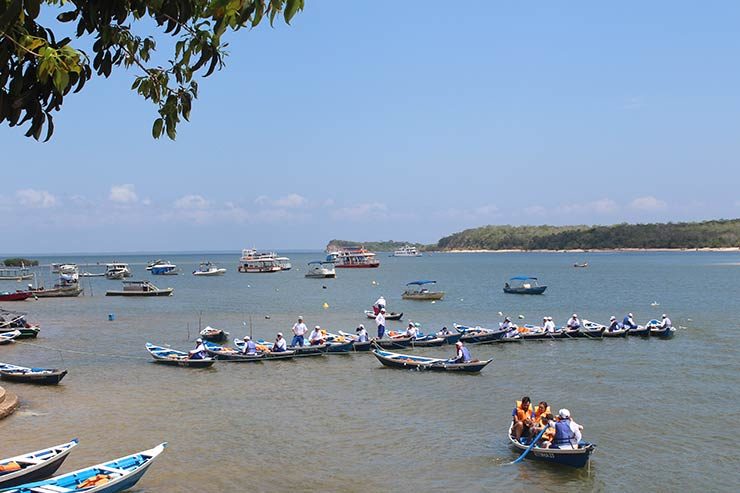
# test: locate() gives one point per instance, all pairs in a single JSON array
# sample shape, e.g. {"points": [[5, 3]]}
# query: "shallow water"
{"points": [[662, 413]]}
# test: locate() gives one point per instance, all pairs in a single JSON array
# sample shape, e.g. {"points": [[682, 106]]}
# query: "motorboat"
{"points": [[209, 269], [117, 271], [140, 288], [415, 290], [253, 261], [524, 285], [407, 251], [159, 261], [165, 269], [356, 258], [320, 269]]}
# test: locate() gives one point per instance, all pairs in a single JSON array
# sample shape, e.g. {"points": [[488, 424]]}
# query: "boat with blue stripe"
{"points": [[39, 376], [565, 457], [34, 466], [167, 356], [108, 477]]}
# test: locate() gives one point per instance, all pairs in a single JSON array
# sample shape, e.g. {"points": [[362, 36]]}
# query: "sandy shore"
{"points": [[597, 250]]}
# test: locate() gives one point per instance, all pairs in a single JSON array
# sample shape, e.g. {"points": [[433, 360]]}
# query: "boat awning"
{"points": [[419, 283], [523, 278]]}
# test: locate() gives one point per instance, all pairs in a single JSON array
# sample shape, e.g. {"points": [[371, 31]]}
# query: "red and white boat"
{"points": [[355, 258], [17, 296]]}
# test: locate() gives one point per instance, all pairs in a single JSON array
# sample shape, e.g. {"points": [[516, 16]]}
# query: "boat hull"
{"points": [[432, 296], [47, 377], [483, 337], [37, 472], [161, 292], [57, 292], [17, 296], [25, 332], [408, 362], [663, 333], [432, 342], [388, 316], [395, 343], [576, 458], [358, 266], [533, 290]]}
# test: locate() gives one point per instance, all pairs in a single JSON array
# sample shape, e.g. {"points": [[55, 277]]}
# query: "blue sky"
{"points": [[401, 120]]}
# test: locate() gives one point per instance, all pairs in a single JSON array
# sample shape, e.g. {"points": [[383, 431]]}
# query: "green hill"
{"points": [[373, 246]]}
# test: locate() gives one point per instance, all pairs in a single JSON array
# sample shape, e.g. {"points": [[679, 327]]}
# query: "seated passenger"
{"points": [[549, 435], [280, 345], [549, 325], [613, 324], [462, 354], [444, 332], [573, 323], [249, 346], [567, 431], [522, 416], [200, 350], [317, 336], [411, 331], [361, 334], [666, 322], [628, 322]]}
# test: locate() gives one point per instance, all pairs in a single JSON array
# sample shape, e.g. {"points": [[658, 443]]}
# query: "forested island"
{"points": [[724, 233], [20, 262], [375, 246]]}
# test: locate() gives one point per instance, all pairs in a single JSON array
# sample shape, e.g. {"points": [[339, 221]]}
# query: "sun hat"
{"points": [[612, 317], [458, 343], [280, 334], [247, 338], [564, 413]]}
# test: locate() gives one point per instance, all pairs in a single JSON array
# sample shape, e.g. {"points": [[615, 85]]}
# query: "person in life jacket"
{"points": [[523, 417], [567, 431], [628, 322], [539, 420], [462, 354], [613, 324], [549, 435]]}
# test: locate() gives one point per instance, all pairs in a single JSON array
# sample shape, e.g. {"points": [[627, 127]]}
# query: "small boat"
{"points": [[117, 271], [58, 291], [30, 332], [657, 331], [416, 291], [321, 269], [355, 258], [300, 351], [165, 269], [535, 333], [388, 315], [420, 340], [345, 347], [214, 335], [20, 274], [8, 337], [524, 285], [406, 251], [229, 354], [92, 274], [640, 331], [409, 362], [450, 337], [357, 346], [140, 288], [583, 264], [209, 269], [17, 296], [108, 477], [150, 265], [621, 332], [169, 356], [255, 262], [394, 342], [39, 376], [34, 466], [479, 335], [566, 457], [265, 347]]}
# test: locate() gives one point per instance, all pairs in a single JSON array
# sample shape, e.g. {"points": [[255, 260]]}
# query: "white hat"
{"points": [[199, 340], [458, 343], [382, 310], [247, 338], [564, 413], [612, 317], [575, 315], [317, 327], [300, 317], [280, 334], [665, 316], [629, 315]]}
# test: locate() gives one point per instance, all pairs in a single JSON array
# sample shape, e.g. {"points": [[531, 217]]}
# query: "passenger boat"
{"points": [[524, 285], [8, 337], [265, 349], [108, 477], [565, 457], [68, 285], [621, 332], [357, 346], [117, 271], [409, 362], [388, 315], [407, 251], [140, 288], [416, 291], [657, 331], [320, 269], [39, 376], [229, 354], [168, 356], [34, 466], [151, 264], [214, 335], [17, 296], [300, 351], [255, 262], [479, 335], [17, 274], [209, 269], [356, 258], [165, 269]]}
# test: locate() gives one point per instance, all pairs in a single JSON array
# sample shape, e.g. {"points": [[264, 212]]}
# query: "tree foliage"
{"points": [[375, 246], [19, 262], [37, 70]]}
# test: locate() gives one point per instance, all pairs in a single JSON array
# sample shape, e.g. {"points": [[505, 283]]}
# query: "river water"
{"points": [[662, 413]]}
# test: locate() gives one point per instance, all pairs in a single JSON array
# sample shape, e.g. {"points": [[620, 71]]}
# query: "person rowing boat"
{"points": [[462, 354], [249, 346], [199, 352], [567, 431]]}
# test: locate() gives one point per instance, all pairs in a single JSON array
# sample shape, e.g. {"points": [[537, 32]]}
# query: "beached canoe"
{"points": [[410, 362], [33, 466], [38, 376], [565, 457], [168, 356], [107, 477], [229, 354], [23, 332]]}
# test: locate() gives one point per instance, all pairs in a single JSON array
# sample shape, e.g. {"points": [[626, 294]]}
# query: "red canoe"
{"points": [[17, 296]]}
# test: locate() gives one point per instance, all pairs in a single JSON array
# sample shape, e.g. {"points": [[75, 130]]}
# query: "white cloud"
{"points": [[360, 211], [191, 202], [293, 200], [262, 200], [648, 203], [123, 194], [40, 199]]}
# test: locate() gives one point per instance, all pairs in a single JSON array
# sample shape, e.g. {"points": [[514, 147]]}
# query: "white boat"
{"points": [[17, 274], [253, 261], [155, 262], [117, 271], [140, 288], [407, 251], [165, 269], [209, 269], [356, 258], [320, 269]]}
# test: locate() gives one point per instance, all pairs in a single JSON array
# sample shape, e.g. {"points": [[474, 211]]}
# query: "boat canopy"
{"points": [[420, 283], [523, 278]]}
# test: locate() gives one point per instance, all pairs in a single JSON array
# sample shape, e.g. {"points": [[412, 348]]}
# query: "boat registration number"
{"points": [[545, 455]]}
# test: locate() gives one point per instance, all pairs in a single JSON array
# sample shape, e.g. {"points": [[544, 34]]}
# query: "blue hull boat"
{"points": [[564, 457], [34, 466], [108, 477], [167, 356], [479, 335]]}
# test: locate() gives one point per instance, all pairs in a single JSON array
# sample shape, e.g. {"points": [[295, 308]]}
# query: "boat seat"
{"points": [[50, 488], [112, 470], [31, 461]]}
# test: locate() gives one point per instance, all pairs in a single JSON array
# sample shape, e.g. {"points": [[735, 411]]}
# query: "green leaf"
{"points": [[291, 8], [157, 128], [61, 80]]}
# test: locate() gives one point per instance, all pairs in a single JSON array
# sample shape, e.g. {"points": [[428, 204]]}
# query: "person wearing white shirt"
{"points": [[573, 323], [299, 331], [317, 337], [411, 331], [361, 334], [380, 322], [279, 345], [380, 303], [567, 432], [666, 322], [549, 325], [249, 346], [200, 350]]}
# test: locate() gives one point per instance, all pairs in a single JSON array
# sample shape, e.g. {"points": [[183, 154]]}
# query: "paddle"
{"points": [[531, 445]]}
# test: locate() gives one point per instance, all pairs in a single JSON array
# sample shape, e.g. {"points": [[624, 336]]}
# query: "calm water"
{"points": [[663, 413]]}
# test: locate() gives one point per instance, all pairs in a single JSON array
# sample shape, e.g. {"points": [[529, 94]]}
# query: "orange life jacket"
{"points": [[521, 413], [10, 467], [540, 414]]}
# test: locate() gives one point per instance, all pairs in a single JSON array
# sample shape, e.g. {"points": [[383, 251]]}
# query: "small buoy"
{"points": [[500, 314], [267, 317], [277, 289], [521, 316], [462, 299], [433, 302], [326, 305], [373, 283], [249, 286], [654, 303], [323, 287], [689, 320], [111, 317]]}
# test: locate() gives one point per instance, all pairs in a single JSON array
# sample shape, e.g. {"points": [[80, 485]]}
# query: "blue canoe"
{"points": [[657, 331], [565, 457], [168, 356], [113, 476], [34, 466]]}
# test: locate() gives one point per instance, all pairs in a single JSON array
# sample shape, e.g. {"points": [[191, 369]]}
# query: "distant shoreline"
{"points": [[594, 250]]}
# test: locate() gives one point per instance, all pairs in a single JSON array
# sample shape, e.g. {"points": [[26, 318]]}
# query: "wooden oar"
{"points": [[531, 445]]}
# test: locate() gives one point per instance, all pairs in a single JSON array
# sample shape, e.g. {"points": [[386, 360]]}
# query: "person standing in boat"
{"points": [[379, 305], [666, 322], [380, 322], [317, 337], [462, 354], [567, 432], [628, 322], [523, 416], [574, 323], [361, 334], [279, 345], [200, 350], [299, 331], [613, 324], [249, 346]]}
